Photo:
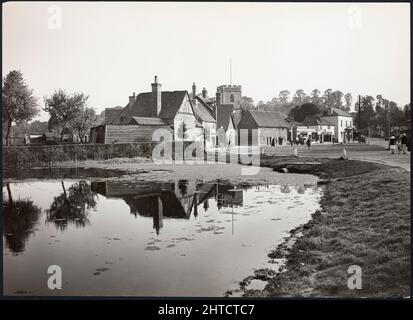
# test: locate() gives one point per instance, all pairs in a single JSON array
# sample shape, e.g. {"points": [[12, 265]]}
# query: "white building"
{"points": [[319, 129], [342, 121]]}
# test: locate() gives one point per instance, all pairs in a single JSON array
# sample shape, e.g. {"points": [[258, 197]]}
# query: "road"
{"points": [[374, 152]]}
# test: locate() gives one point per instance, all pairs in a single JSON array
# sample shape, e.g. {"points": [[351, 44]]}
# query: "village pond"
{"points": [[122, 237]]}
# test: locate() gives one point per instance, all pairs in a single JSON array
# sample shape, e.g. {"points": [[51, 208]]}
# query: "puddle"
{"points": [[145, 239]]}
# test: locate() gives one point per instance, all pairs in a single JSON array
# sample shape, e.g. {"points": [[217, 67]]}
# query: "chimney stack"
{"points": [[132, 99], [193, 92], [156, 103], [204, 93]]}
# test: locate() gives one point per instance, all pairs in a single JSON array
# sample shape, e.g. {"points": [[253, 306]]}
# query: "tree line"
{"points": [[329, 99], [65, 110], [378, 114]]}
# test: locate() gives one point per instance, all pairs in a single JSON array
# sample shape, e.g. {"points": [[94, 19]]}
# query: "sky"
{"points": [[109, 50]]}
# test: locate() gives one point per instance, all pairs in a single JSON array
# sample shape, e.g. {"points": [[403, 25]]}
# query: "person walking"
{"points": [[404, 143], [392, 144], [309, 143]]}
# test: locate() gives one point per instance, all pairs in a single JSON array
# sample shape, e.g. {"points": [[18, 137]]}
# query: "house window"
{"points": [[328, 127], [341, 122], [232, 98], [346, 123]]}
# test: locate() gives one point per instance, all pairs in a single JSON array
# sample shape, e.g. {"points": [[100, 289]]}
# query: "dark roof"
{"points": [[269, 119], [224, 112], [147, 121], [203, 113], [112, 113], [339, 112], [315, 121], [171, 102]]}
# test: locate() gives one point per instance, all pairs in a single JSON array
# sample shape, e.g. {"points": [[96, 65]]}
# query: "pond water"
{"points": [[119, 237]]}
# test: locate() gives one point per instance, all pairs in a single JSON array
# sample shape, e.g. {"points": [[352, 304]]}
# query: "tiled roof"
{"points": [[203, 113], [315, 121], [339, 112], [269, 119], [224, 112], [171, 102]]}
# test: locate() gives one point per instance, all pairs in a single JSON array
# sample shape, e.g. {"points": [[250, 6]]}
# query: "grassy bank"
{"points": [[364, 221]]}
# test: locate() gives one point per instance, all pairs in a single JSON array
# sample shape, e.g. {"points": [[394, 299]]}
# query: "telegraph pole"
{"points": [[359, 133]]}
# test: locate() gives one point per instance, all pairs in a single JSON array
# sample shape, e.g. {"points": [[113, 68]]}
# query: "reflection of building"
{"points": [[227, 196], [157, 200], [169, 200]]}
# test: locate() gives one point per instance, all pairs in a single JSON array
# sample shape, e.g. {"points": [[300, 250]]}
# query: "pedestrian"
{"points": [[309, 143], [392, 144], [404, 143]]}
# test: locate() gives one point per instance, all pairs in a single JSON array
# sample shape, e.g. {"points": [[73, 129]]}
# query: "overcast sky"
{"points": [[109, 50]]}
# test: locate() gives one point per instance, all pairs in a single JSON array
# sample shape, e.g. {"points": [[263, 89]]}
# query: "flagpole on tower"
{"points": [[230, 71]]}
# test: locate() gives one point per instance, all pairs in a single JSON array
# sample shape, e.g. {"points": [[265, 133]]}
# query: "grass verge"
{"points": [[364, 221]]}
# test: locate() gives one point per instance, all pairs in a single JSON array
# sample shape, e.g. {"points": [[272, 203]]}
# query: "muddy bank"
{"points": [[364, 220], [141, 169]]}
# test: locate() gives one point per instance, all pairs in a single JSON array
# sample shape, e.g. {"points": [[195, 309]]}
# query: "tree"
{"points": [[247, 103], [406, 111], [284, 96], [348, 100], [315, 97], [299, 113], [64, 109], [327, 102], [299, 97], [84, 121], [18, 101], [336, 99], [366, 113]]}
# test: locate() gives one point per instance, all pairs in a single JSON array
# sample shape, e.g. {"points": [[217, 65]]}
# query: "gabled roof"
{"points": [[141, 107], [224, 112], [316, 121], [112, 113], [147, 121], [203, 113], [269, 119], [338, 112]]}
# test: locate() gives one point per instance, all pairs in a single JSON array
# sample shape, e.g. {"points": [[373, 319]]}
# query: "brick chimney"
{"points": [[132, 98], [204, 93], [193, 93], [156, 103]]}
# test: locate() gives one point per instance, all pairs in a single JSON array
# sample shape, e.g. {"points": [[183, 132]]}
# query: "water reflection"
{"points": [[148, 239], [20, 219], [169, 200], [72, 206]]}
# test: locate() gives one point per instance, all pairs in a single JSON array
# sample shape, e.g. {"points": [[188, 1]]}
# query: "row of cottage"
{"points": [[218, 121]]}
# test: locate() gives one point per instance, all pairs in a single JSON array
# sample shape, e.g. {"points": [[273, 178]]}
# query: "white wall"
{"points": [[340, 125]]}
